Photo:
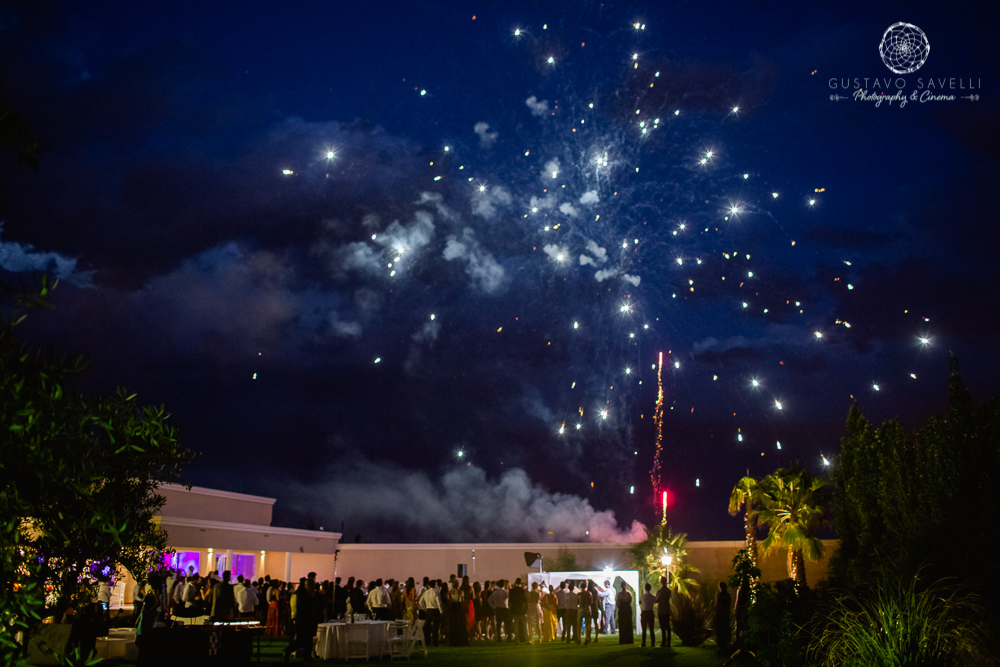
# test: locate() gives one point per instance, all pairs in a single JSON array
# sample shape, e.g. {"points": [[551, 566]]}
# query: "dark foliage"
{"points": [[691, 619], [918, 500], [775, 624], [77, 484]]}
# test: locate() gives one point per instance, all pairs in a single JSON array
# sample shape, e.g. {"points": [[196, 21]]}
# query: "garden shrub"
{"points": [[691, 619], [899, 620], [775, 624]]}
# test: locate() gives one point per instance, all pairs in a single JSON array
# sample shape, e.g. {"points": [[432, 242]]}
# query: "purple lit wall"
{"points": [[243, 564], [183, 559]]}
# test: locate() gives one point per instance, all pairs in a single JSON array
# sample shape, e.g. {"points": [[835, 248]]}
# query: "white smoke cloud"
{"points": [[428, 333], [397, 239], [463, 506], [538, 108], [224, 291], [360, 256], [18, 257], [590, 197], [629, 278], [486, 138], [533, 404], [550, 170], [604, 274], [544, 203], [599, 253], [600, 256], [344, 329], [484, 204], [486, 273], [558, 253], [438, 201], [568, 209], [408, 238]]}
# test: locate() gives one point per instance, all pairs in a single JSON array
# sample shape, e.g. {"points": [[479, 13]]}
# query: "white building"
{"points": [[221, 530]]}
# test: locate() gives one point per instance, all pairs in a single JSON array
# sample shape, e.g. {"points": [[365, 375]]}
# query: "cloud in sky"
{"points": [[604, 274], [226, 291], [18, 258], [550, 170], [568, 209], [486, 138], [589, 197], [396, 240], [543, 203], [558, 253], [538, 107], [487, 275], [598, 255], [485, 203]]}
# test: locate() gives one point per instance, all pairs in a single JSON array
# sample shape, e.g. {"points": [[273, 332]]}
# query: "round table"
{"points": [[331, 639]]}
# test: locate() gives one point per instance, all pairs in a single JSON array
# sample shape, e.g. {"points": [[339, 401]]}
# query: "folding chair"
{"points": [[357, 640], [400, 640], [418, 636]]}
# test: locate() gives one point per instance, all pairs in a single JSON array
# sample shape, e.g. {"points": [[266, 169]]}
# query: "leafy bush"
{"points": [[775, 624], [691, 619], [899, 621]]}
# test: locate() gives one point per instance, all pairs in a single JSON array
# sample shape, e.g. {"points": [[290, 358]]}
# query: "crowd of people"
{"points": [[454, 611]]}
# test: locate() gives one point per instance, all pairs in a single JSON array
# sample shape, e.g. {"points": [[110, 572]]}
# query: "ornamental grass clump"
{"points": [[691, 619], [901, 622]]}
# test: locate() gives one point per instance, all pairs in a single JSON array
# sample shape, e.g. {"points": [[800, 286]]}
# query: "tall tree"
{"points": [[791, 506], [746, 496], [918, 500], [77, 483]]}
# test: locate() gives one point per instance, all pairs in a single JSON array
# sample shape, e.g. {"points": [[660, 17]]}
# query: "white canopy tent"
{"points": [[631, 577]]}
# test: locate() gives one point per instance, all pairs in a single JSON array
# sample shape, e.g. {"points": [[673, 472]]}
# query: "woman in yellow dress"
{"points": [[550, 606], [410, 601]]}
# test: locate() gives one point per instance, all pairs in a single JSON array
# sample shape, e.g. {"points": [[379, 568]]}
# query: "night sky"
{"points": [[408, 267]]}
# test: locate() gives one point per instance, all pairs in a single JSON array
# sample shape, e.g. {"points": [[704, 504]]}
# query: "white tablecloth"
{"points": [[331, 639]]}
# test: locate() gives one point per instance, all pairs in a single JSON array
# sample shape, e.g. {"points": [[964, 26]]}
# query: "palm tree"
{"points": [[647, 557], [746, 496], [791, 506]]}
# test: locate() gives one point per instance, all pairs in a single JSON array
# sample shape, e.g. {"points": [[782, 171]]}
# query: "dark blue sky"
{"points": [[337, 336]]}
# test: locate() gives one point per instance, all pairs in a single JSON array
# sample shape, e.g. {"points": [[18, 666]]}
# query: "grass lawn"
{"points": [[606, 652]]}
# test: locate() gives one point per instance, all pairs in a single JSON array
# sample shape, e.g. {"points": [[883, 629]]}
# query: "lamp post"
{"points": [[666, 559]]}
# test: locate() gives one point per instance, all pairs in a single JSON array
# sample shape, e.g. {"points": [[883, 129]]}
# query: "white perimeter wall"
{"points": [[506, 561]]}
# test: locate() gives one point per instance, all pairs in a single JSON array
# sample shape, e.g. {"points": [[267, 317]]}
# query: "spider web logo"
{"points": [[904, 48]]}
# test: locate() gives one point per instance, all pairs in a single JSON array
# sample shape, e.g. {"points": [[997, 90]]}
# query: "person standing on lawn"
{"points": [[607, 596], [430, 607], [534, 613], [518, 602], [585, 605], [561, 607], [305, 623], [647, 607], [663, 612], [572, 617], [626, 609], [723, 605], [550, 619], [499, 600]]}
